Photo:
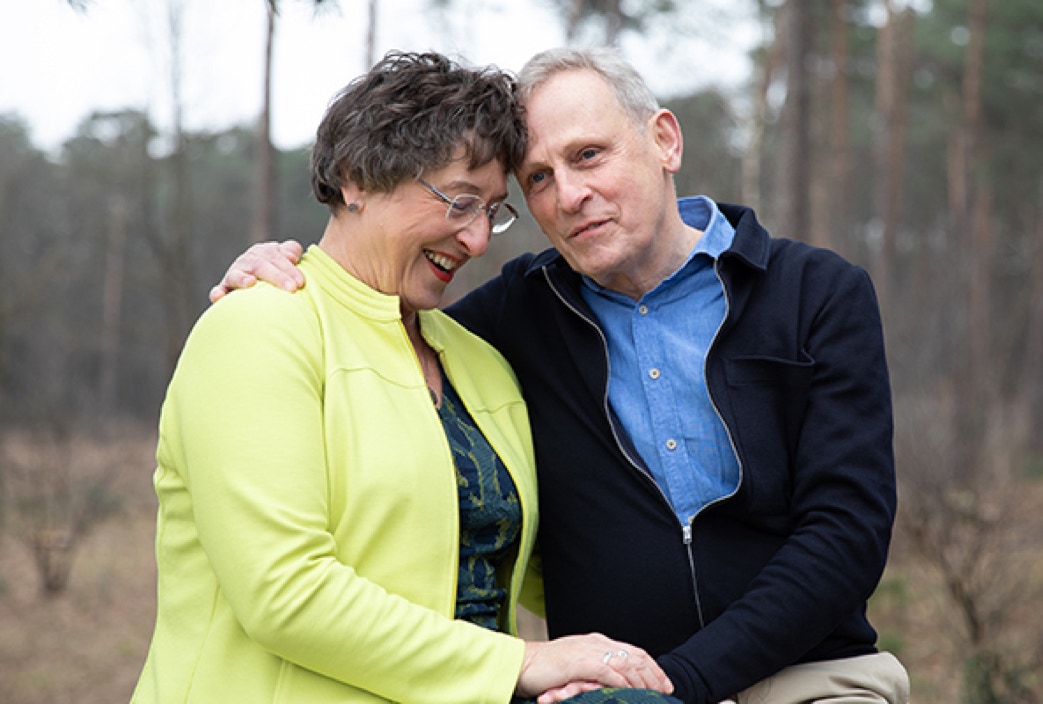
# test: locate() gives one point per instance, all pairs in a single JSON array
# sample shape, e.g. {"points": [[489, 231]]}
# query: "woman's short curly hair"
{"points": [[413, 112]]}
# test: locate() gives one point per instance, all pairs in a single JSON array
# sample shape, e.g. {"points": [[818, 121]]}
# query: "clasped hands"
{"points": [[558, 669]]}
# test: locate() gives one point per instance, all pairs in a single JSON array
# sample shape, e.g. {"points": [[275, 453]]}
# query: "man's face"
{"points": [[599, 186]]}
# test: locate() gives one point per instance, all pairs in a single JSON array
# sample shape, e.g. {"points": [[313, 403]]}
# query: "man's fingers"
{"points": [[274, 262], [292, 249], [639, 668]]}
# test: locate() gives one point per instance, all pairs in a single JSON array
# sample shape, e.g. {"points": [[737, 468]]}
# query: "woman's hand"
{"points": [[274, 262], [555, 670]]}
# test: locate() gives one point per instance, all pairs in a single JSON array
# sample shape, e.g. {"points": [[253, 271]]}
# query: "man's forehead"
{"points": [[563, 82], [575, 98]]}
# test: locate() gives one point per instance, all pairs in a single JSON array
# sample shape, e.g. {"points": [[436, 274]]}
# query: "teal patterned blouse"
{"points": [[490, 522], [490, 513]]}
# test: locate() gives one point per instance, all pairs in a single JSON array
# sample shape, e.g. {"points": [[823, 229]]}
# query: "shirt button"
{"points": [[642, 309], [671, 444], [654, 373]]}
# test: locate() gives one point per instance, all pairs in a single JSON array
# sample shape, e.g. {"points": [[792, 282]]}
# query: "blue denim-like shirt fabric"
{"points": [[657, 384]]}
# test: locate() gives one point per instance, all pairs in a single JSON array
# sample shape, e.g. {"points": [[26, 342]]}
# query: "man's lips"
{"points": [[585, 227]]}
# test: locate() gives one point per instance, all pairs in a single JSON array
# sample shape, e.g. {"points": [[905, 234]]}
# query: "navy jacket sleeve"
{"points": [[812, 423]]}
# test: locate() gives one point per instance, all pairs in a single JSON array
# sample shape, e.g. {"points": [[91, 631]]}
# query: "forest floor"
{"points": [[87, 644]]}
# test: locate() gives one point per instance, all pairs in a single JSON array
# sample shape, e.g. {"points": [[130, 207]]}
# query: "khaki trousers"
{"points": [[869, 679]]}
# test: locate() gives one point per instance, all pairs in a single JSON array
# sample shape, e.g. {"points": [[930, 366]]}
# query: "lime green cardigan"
{"points": [[307, 536]]}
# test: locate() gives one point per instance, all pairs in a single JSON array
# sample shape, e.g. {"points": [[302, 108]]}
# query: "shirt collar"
{"points": [[702, 213]]}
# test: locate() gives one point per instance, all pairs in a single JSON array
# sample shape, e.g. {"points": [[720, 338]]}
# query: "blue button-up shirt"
{"points": [[657, 384]]}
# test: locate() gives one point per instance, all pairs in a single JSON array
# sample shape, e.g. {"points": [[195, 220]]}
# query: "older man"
{"points": [[710, 406]]}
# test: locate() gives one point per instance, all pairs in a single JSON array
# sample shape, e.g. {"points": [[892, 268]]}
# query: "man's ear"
{"points": [[666, 131]]}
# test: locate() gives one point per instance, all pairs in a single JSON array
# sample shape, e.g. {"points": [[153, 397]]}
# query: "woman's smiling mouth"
{"points": [[444, 266]]}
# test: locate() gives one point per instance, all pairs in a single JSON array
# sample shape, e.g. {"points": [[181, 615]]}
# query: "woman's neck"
{"points": [[426, 355]]}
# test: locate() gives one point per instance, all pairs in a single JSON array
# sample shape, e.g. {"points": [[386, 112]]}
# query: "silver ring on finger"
{"points": [[623, 654], [606, 657]]}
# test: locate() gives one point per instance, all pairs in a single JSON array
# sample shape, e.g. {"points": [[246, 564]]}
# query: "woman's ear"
{"points": [[354, 197]]}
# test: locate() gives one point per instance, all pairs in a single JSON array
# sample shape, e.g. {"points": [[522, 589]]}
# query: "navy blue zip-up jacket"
{"points": [[780, 572]]}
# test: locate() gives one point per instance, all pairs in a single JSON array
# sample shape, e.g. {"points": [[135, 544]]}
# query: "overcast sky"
{"points": [[60, 64]]}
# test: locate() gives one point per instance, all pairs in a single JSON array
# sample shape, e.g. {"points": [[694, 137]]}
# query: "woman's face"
{"points": [[405, 246]]}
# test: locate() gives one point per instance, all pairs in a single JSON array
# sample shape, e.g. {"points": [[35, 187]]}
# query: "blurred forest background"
{"points": [[908, 136]]}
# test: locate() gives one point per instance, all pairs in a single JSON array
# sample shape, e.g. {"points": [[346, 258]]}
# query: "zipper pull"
{"points": [[686, 531]]}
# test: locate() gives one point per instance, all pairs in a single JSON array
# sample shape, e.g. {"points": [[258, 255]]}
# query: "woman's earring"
{"points": [[354, 207]]}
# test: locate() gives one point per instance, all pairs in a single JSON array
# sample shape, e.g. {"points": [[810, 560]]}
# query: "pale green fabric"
{"points": [[307, 534]]}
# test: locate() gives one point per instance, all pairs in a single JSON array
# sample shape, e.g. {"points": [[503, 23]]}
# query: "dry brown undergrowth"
{"points": [[88, 644]]}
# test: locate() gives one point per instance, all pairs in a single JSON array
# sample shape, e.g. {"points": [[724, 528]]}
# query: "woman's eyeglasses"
{"points": [[465, 207]]}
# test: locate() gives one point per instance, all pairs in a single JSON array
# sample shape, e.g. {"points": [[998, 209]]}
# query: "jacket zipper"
{"points": [[686, 528], [688, 538], [686, 531]]}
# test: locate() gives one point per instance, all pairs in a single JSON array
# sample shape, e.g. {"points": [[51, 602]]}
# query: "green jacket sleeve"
{"points": [[244, 422]]}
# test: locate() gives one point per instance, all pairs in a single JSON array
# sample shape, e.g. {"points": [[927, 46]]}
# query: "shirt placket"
{"points": [[657, 378]]}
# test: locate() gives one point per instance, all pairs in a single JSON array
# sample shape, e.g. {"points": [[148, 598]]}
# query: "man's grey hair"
{"points": [[626, 83]]}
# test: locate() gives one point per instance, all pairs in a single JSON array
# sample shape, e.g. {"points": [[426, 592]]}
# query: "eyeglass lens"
{"points": [[469, 206]]}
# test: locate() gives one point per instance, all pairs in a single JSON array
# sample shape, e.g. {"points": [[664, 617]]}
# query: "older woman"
{"points": [[345, 476]]}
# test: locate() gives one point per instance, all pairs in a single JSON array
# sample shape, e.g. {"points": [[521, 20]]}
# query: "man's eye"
{"points": [[537, 178], [588, 153]]}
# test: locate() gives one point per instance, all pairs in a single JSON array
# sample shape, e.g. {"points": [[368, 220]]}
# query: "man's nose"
{"points": [[572, 189]]}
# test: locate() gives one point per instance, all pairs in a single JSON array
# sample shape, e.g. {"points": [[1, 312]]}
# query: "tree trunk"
{"points": [[53, 552], [574, 12], [794, 167], [839, 211], [112, 304], [612, 11], [978, 202], [371, 35], [969, 206], [752, 157], [819, 175], [177, 272], [264, 205], [1032, 389], [889, 151]]}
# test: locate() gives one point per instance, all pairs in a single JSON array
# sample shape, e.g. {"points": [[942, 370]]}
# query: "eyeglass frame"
{"points": [[455, 214]]}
